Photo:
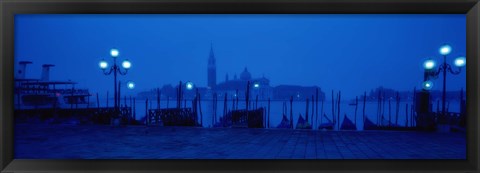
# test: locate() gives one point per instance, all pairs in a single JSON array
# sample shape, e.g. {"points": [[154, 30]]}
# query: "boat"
{"points": [[302, 123], [386, 125], [328, 126], [347, 124], [46, 94], [369, 125], [285, 124]]}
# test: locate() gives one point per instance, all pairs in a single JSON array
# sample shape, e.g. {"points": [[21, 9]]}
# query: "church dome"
{"points": [[245, 75]]}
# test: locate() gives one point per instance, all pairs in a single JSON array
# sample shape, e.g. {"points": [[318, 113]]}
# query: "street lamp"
{"points": [[430, 71], [429, 64], [189, 85], [427, 85], [115, 69], [256, 85], [130, 85]]}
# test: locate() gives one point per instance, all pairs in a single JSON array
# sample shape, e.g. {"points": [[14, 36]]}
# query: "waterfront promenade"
{"points": [[47, 141]]}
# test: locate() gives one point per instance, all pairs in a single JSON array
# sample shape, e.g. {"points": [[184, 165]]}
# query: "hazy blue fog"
{"points": [[351, 53]]}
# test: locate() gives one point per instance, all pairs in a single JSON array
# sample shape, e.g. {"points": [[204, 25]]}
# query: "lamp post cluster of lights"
{"points": [[431, 70], [115, 69]]}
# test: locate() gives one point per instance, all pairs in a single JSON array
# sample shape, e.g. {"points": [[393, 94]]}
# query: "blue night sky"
{"points": [[351, 53]]}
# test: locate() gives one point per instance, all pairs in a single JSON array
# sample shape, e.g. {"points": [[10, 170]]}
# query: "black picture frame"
{"points": [[9, 8]]}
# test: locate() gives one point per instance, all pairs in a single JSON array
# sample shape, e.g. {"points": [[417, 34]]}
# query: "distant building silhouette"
{"points": [[263, 88], [212, 69], [237, 87], [245, 75]]}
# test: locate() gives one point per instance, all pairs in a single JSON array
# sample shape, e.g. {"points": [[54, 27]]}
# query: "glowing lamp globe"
{"points": [[445, 49], [103, 64], [126, 64], [189, 85], [130, 85], [256, 85], [460, 61], [114, 52], [429, 64], [427, 85]]}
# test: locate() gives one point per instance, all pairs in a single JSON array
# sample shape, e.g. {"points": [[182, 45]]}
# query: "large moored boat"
{"points": [[43, 93]]}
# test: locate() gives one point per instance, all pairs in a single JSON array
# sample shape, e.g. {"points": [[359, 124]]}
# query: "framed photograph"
{"points": [[217, 85]]}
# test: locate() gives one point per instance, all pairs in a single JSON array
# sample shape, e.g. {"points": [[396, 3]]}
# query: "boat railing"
{"points": [[26, 90]]}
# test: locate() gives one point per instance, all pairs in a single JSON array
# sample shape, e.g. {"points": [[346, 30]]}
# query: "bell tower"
{"points": [[212, 69]]}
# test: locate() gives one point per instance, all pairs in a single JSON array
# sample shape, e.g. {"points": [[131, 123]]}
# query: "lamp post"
{"points": [[115, 69], [444, 67]]}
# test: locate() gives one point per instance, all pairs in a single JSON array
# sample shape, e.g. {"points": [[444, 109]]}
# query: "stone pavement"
{"points": [[140, 142]]}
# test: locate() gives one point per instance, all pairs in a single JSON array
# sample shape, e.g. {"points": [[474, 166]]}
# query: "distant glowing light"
{"points": [[126, 64], [427, 85], [189, 85], [114, 52], [130, 85], [445, 49], [429, 64], [256, 85], [460, 61], [103, 64]]}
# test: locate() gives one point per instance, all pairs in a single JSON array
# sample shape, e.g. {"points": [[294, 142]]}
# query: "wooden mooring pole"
{"points": [[406, 115], [179, 97], [338, 106], [364, 102], [233, 103], [200, 108], [398, 108], [119, 99], [313, 111], [146, 112], [159, 94], [322, 113], [247, 99], [130, 116], [307, 103], [384, 100], [236, 97], [107, 99], [316, 109], [379, 106], [134, 110], [256, 102], [389, 112], [291, 112], [356, 107], [333, 108], [225, 109], [125, 101], [98, 102], [268, 122], [412, 114]]}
